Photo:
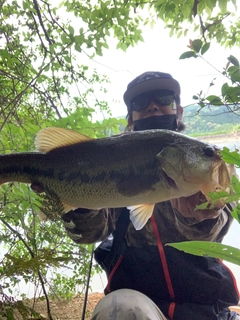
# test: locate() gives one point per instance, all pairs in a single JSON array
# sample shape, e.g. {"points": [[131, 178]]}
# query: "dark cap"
{"points": [[149, 81]]}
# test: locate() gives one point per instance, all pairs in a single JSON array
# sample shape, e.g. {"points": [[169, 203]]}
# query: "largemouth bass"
{"points": [[135, 170]]}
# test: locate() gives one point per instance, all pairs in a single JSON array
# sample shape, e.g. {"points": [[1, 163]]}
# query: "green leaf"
{"points": [[205, 48], [179, 34], [65, 39], [231, 157], [197, 44], [211, 4], [78, 48], [233, 60], [235, 77], [215, 100], [218, 195], [188, 54], [232, 69], [225, 88], [79, 39], [223, 5], [67, 58], [234, 3], [71, 30], [209, 249], [202, 206], [236, 184], [234, 91], [186, 10], [236, 212]]}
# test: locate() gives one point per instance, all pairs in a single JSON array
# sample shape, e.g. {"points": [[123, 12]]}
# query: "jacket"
{"points": [[183, 286]]}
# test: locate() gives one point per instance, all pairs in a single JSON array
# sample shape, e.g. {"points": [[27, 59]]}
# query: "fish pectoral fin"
{"points": [[140, 214], [52, 137]]}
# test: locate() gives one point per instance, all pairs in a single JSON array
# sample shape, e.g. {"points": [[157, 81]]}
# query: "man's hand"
{"points": [[187, 207]]}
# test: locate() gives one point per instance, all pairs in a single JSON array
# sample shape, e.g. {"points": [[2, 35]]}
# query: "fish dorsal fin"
{"points": [[51, 138]]}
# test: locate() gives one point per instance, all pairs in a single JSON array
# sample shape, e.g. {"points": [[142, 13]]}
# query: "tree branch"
{"points": [[33, 256], [41, 22], [194, 8]]}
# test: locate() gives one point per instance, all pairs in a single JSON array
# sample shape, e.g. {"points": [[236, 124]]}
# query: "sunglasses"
{"points": [[142, 101]]}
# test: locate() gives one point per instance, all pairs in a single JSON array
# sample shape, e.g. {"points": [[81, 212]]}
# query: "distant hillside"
{"points": [[206, 121], [212, 119]]}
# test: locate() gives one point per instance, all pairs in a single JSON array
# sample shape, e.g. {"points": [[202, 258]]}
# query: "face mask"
{"points": [[168, 122]]}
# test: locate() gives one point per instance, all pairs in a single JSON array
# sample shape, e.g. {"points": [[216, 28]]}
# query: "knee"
{"points": [[123, 304]]}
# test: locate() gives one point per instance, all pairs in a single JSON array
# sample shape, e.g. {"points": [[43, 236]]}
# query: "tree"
{"points": [[46, 79]]}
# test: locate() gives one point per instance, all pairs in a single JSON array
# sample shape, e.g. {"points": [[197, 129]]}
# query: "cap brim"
{"points": [[150, 85]]}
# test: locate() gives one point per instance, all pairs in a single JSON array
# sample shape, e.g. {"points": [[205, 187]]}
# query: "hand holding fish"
{"points": [[187, 207]]}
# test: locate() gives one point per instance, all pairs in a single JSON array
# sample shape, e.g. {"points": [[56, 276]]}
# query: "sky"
{"points": [[159, 52]]}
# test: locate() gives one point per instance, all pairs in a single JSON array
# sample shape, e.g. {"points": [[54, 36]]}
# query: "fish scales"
{"points": [[126, 170], [94, 165]]}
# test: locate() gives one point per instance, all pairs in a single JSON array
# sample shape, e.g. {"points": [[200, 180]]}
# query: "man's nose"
{"points": [[152, 106]]}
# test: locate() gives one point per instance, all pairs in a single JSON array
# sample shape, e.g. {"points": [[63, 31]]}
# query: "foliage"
{"points": [[46, 79], [210, 249], [43, 84], [11, 309], [230, 99], [210, 120], [230, 91], [214, 19]]}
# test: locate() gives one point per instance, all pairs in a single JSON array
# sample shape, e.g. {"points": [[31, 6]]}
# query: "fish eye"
{"points": [[209, 151]]}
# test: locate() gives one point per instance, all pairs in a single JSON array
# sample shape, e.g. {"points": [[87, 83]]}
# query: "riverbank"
{"points": [[221, 138]]}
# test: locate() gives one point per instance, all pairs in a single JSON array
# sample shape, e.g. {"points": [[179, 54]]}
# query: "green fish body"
{"points": [[136, 169]]}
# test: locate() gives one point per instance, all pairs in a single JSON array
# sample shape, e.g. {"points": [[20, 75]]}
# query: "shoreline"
{"points": [[220, 138]]}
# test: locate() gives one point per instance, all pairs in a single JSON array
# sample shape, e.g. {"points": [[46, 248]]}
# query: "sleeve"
{"points": [[89, 226]]}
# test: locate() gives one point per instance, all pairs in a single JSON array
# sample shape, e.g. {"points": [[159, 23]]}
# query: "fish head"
{"points": [[194, 165]]}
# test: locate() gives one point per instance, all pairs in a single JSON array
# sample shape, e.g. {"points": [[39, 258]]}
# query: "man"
{"points": [[146, 279]]}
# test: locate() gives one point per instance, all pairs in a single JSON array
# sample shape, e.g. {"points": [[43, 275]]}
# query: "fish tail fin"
{"points": [[140, 214]]}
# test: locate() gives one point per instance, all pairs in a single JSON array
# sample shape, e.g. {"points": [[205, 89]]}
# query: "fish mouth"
{"points": [[221, 179], [221, 175]]}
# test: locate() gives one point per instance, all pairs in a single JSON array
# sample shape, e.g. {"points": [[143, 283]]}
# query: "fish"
{"points": [[134, 170]]}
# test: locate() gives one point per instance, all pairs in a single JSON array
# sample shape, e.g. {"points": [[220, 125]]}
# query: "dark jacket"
{"points": [[182, 285]]}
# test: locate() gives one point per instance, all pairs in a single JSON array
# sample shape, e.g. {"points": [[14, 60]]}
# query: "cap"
{"points": [[148, 81]]}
